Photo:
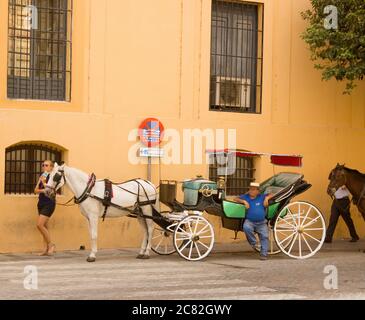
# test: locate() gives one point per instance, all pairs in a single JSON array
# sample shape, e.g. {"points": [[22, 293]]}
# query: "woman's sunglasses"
{"points": [[45, 165]]}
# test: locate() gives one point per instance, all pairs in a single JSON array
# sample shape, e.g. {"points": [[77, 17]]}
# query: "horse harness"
{"points": [[134, 211]]}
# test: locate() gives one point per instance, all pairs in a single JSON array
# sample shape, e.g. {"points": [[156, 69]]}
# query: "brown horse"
{"points": [[353, 180]]}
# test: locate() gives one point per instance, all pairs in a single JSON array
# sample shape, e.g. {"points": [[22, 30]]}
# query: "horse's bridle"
{"points": [[344, 176], [57, 178], [61, 175]]}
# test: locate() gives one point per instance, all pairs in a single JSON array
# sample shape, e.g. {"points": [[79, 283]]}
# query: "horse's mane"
{"points": [[79, 171], [355, 171]]}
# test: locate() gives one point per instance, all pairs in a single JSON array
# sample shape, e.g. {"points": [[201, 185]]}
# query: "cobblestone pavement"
{"points": [[231, 272]]}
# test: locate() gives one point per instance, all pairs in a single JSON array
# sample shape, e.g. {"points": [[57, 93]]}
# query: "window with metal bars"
{"points": [[236, 56], [238, 182], [23, 166], [39, 49]]}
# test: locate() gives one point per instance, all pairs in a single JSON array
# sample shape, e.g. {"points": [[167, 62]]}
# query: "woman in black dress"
{"points": [[46, 207]]}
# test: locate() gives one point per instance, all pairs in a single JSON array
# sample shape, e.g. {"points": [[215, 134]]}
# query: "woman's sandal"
{"points": [[51, 249], [44, 253]]}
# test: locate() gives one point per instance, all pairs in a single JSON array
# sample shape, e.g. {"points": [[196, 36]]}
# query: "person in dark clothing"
{"points": [[46, 207], [341, 207]]}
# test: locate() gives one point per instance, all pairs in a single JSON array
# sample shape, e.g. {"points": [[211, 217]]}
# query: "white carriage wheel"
{"points": [[273, 248], [300, 230], [194, 238], [162, 241]]}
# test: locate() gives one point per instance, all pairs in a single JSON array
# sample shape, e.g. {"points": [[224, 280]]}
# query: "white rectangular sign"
{"points": [[151, 152]]}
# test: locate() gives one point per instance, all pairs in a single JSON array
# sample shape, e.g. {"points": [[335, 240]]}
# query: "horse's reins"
{"points": [[66, 204]]}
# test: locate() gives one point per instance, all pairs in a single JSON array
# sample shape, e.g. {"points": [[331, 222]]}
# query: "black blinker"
{"points": [[57, 177]]}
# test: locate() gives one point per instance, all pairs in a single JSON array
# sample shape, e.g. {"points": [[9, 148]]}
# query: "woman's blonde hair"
{"points": [[50, 162]]}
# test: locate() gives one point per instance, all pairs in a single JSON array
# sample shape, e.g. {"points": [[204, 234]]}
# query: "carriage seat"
{"points": [[279, 182], [192, 188]]}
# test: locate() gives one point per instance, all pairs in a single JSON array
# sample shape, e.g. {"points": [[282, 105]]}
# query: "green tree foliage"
{"points": [[338, 53]]}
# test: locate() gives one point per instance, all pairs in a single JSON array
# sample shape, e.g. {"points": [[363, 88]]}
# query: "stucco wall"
{"points": [[135, 59]]}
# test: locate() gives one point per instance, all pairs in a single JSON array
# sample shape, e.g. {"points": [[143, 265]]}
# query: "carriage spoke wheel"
{"points": [[162, 241], [194, 238], [273, 248], [300, 230]]}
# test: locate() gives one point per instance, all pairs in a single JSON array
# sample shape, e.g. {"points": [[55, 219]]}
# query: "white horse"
{"points": [[125, 195]]}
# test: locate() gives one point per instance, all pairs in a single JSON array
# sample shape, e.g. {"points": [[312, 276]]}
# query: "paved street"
{"points": [[231, 272]]}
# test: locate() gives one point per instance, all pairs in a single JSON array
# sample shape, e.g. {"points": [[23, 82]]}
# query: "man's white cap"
{"points": [[255, 184]]}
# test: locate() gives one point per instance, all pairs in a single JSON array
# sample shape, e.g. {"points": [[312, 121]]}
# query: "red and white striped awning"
{"points": [[276, 159]]}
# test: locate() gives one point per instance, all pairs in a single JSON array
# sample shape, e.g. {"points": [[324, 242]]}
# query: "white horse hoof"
{"points": [[143, 256], [91, 259]]}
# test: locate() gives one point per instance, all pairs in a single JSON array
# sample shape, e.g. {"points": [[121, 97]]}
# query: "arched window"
{"points": [[23, 166]]}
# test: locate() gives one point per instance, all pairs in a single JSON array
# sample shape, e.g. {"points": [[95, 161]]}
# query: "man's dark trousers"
{"points": [[341, 207]]}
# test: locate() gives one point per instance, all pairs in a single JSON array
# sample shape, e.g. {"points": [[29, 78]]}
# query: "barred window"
{"points": [[23, 166], [39, 49], [236, 57], [243, 173]]}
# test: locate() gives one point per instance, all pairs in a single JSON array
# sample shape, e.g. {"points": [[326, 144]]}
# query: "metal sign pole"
{"points": [[150, 132], [149, 169]]}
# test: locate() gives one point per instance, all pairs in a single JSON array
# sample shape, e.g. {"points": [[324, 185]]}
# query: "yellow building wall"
{"points": [[137, 59]]}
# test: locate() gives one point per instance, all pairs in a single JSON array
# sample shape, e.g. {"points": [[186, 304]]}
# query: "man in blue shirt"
{"points": [[255, 221]]}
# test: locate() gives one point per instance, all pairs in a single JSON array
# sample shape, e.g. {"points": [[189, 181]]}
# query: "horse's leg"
{"points": [[150, 226], [93, 229], [362, 211], [143, 223]]}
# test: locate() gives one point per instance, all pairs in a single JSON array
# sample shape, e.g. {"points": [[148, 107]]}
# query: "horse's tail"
{"points": [[156, 205]]}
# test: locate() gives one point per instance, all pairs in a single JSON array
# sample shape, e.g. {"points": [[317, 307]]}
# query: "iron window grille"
{"points": [[23, 166], [39, 49], [236, 57], [238, 182]]}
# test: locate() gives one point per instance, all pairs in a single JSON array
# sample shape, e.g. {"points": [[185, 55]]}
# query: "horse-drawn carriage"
{"points": [[297, 228]]}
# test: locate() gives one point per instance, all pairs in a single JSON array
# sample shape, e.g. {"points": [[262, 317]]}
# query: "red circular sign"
{"points": [[151, 132]]}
